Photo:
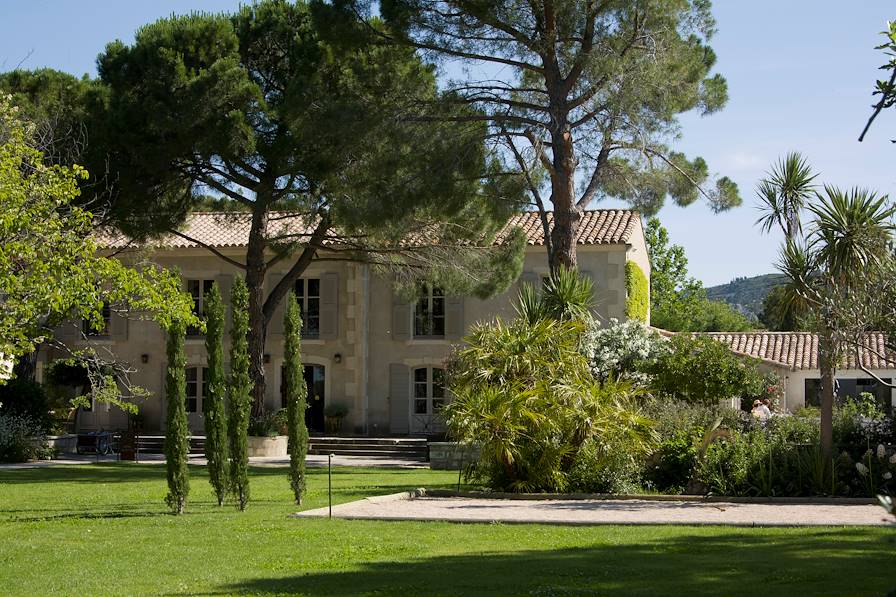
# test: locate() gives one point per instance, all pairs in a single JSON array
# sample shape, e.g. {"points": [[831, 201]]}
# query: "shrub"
{"points": [[264, 425], [213, 406], [607, 469], [296, 394], [26, 399], [703, 370], [336, 410], [670, 468], [21, 438], [177, 432], [621, 350], [637, 288], [239, 394]]}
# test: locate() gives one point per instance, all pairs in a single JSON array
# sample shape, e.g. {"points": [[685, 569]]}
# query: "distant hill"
{"points": [[746, 294]]}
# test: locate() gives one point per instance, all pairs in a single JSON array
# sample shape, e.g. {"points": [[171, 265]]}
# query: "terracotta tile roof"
{"points": [[799, 350], [231, 229]]}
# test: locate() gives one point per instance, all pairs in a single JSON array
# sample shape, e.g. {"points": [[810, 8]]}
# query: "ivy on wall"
{"points": [[637, 289]]}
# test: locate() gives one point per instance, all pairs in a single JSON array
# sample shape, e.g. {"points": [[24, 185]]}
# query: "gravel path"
{"points": [[312, 460], [591, 512]]}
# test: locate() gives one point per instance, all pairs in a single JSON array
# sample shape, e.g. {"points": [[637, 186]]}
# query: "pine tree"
{"points": [[240, 393], [213, 401], [177, 433], [296, 393]]}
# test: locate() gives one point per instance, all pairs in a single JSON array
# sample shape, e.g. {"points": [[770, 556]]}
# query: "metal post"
{"points": [[330, 482]]}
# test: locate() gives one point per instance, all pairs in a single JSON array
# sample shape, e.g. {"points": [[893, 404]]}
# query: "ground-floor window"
{"points": [[851, 387], [196, 386], [428, 400]]}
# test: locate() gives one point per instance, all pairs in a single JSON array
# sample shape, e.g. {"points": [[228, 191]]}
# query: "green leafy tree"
{"points": [[886, 87], [239, 393], [177, 432], [678, 303], [578, 91], [783, 195], [702, 370], [778, 314], [849, 241], [296, 393], [271, 109], [213, 403], [51, 272]]}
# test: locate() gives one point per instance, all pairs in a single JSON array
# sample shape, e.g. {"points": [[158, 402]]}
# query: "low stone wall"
{"points": [[64, 444], [451, 455], [267, 446]]}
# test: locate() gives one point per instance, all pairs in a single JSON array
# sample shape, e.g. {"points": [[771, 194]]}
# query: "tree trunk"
{"points": [[563, 191], [255, 271], [826, 364]]}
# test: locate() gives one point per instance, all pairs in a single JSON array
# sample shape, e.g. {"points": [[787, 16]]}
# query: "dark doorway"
{"points": [[314, 381]]}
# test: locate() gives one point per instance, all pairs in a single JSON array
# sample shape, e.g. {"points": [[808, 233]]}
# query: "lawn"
{"points": [[103, 529]]}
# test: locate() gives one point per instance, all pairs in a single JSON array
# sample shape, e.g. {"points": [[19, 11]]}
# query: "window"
{"points": [[308, 297], [429, 390], [89, 330], [196, 387], [845, 387], [429, 313], [198, 289]]}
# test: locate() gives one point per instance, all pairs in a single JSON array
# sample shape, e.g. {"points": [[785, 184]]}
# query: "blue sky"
{"points": [[800, 74]]}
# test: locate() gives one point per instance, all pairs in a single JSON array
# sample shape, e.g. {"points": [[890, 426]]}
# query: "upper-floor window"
{"points": [[198, 290], [196, 387], [429, 313], [429, 390], [91, 330], [308, 297]]}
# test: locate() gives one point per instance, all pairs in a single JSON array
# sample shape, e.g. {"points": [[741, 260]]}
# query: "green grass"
{"points": [[103, 529]]}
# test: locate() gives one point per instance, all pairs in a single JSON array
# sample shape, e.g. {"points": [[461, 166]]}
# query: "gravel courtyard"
{"points": [[406, 506]]}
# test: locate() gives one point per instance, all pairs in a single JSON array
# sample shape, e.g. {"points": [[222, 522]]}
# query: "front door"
{"points": [[314, 381]]}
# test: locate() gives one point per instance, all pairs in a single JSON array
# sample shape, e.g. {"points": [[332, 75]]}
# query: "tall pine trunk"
{"points": [[296, 393], [240, 394], [563, 197], [177, 433], [215, 396], [257, 332]]}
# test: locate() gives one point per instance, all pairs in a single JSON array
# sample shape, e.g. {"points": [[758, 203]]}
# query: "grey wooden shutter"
{"points": [[401, 318], [118, 327], [594, 289], [454, 317], [329, 306], [532, 279], [225, 286], [399, 398], [275, 326]]}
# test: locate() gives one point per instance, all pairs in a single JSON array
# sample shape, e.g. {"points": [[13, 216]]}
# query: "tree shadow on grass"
{"points": [[690, 562]]}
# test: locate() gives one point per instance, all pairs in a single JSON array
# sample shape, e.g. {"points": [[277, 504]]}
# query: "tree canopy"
{"points": [[582, 97], [49, 266]]}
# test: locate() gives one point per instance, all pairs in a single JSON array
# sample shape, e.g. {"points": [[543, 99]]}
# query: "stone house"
{"points": [[363, 346]]}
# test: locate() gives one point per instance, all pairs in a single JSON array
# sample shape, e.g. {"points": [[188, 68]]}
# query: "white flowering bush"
{"points": [[876, 470], [621, 350]]}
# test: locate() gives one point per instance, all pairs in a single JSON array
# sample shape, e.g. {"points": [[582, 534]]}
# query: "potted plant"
{"points": [[264, 436], [333, 415]]}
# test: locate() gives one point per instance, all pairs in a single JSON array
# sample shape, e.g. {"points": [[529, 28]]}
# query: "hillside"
{"points": [[746, 294]]}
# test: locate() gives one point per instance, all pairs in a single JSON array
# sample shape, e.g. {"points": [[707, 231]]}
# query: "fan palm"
{"points": [[783, 194]]}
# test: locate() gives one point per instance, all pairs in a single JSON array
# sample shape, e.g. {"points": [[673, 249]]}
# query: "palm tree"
{"points": [[784, 193], [848, 238]]}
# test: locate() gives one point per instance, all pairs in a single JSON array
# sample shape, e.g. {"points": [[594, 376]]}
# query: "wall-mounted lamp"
{"points": [[144, 358], [267, 358], [337, 358]]}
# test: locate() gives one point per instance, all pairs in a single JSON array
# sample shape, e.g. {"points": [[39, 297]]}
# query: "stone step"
{"points": [[421, 456], [383, 441], [367, 446]]}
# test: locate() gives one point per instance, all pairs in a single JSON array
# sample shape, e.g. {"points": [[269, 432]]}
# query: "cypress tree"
{"points": [[240, 393], [177, 433], [296, 393], [213, 401]]}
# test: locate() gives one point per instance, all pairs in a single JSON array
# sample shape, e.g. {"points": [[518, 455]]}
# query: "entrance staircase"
{"points": [[155, 444], [407, 448]]}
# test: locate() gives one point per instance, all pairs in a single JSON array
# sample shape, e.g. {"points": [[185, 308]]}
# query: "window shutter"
{"points": [[225, 285], [399, 398], [329, 306], [401, 318], [275, 326], [454, 317], [118, 327], [532, 279]]}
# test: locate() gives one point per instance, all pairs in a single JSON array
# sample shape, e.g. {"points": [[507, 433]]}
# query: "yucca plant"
{"points": [[784, 193]]}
